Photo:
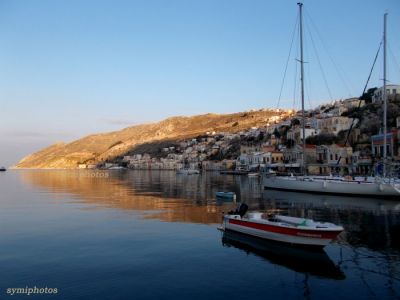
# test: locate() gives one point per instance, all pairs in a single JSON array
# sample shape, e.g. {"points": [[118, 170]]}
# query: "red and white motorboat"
{"points": [[291, 230]]}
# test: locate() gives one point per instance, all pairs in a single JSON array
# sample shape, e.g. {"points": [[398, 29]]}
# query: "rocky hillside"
{"points": [[98, 148], [370, 116]]}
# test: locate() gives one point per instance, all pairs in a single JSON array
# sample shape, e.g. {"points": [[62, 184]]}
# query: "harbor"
{"points": [[200, 150], [159, 229]]}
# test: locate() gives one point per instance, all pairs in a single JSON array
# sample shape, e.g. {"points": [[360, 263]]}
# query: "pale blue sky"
{"points": [[70, 68]]}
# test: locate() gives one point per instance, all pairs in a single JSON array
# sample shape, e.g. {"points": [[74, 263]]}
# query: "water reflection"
{"points": [[366, 256], [311, 261], [333, 202], [373, 223], [166, 196]]}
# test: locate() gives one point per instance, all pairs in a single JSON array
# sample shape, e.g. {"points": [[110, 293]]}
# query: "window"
{"points": [[331, 156], [336, 157]]}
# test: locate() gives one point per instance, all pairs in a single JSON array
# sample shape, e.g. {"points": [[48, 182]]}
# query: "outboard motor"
{"points": [[241, 209]]}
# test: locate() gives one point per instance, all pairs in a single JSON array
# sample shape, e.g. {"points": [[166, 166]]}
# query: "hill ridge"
{"points": [[97, 148]]}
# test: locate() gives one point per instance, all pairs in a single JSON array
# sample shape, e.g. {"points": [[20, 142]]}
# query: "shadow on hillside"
{"points": [[155, 149]]}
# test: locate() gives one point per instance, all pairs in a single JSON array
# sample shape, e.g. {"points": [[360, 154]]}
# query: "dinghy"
{"points": [[226, 195]]}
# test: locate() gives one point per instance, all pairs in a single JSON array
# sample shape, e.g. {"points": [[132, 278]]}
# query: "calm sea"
{"points": [[153, 235]]}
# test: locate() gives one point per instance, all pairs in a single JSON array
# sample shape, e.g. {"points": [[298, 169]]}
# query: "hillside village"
{"points": [[278, 145]]}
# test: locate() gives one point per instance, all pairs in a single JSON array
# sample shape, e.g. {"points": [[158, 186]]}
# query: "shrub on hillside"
{"points": [[322, 139]]}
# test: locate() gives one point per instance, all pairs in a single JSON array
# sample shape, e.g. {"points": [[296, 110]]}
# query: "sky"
{"points": [[72, 68]]}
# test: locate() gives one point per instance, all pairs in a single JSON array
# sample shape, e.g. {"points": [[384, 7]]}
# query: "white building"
{"points": [[335, 124], [330, 155], [391, 90], [296, 134], [338, 110], [353, 102]]}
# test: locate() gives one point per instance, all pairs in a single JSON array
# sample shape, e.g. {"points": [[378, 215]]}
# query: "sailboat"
{"points": [[371, 186]]}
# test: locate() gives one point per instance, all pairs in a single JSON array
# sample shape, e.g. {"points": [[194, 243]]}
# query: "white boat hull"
{"points": [[304, 184], [290, 235]]}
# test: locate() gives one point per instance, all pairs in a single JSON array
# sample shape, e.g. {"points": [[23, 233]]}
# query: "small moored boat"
{"points": [[3, 169], [117, 168], [187, 172], [253, 174], [226, 195], [291, 230]]}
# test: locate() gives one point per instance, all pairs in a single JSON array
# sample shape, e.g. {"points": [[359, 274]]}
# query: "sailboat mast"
{"points": [[384, 97], [302, 85]]}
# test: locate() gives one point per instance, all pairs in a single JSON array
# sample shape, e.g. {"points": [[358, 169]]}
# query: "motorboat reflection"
{"points": [[308, 261]]}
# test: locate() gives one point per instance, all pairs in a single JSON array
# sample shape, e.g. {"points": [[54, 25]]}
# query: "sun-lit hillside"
{"points": [[100, 147]]}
